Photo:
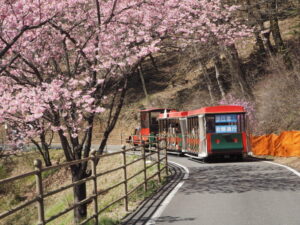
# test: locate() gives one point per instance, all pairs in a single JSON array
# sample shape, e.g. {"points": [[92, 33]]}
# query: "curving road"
{"points": [[246, 193]]}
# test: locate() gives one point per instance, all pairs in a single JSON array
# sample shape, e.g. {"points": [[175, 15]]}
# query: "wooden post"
{"points": [[125, 177], [167, 167], [39, 191], [145, 169], [94, 175], [158, 163]]}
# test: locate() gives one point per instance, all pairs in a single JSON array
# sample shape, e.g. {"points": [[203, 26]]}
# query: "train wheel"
{"points": [[240, 158], [207, 159]]}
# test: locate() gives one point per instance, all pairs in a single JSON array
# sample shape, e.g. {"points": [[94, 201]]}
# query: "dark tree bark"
{"points": [[259, 43], [237, 72], [44, 151], [43, 148], [79, 193], [252, 18], [275, 29], [274, 26], [113, 117]]}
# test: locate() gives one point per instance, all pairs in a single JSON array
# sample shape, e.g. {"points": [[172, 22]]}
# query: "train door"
{"points": [[202, 137], [183, 128]]}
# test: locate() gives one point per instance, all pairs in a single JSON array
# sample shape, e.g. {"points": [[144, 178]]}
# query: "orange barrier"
{"points": [[287, 144]]}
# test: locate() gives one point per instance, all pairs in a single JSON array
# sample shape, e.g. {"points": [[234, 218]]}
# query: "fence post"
{"points": [[39, 191], [158, 163], [94, 175], [167, 167], [125, 177], [145, 169]]}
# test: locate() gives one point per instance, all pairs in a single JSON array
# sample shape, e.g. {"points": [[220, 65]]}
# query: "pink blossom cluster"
{"points": [[80, 49], [19, 15]]}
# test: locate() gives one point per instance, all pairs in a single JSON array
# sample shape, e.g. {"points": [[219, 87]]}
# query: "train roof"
{"points": [[155, 109], [217, 109], [205, 110], [171, 115]]}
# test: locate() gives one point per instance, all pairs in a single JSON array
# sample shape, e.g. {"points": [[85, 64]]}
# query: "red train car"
{"points": [[149, 126], [207, 132], [171, 131]]}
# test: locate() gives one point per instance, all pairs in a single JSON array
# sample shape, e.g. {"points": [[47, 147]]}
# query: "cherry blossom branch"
{"points": [[17, 37]]}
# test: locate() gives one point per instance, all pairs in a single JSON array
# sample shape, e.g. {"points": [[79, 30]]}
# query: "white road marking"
{"points": [[287, 167], [168, 199]]}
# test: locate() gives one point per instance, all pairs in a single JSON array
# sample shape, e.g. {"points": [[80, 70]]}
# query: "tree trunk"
{"points": [[274, 26], [237, 71], [252, 17], [45, 148], [144, 85], [79, 193], [208, 81], [259, 43], [261, 34], [217, 65], [44, 151], [275, 29], [267, 42], [206, 76], [113, 119]]}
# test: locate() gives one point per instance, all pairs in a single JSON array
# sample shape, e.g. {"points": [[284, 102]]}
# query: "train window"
{"points": [[241, 123], [226, 129], [226, 123], [227, 118], [154, 116], [210, 124], [145, 120]]}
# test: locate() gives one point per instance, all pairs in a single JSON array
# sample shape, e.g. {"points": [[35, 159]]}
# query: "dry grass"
{"points": [[278, 99]]}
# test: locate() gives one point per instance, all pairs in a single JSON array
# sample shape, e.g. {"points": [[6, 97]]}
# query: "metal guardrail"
{"points": [[41, 196]]}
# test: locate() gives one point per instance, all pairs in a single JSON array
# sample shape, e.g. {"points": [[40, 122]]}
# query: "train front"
{"points": [[226, 132]]}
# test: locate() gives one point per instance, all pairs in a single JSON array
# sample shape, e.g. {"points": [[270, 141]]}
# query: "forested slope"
{"points": [[261, 71]]}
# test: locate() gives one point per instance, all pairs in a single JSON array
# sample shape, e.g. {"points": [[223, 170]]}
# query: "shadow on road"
{"points": [[173, 219], [239, 178], [146, 210]]}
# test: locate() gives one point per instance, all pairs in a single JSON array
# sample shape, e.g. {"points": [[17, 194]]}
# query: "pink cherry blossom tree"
{"points": [[56, 76]]}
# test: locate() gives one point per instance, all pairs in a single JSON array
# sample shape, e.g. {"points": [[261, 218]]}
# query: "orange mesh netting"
{"points": [[286, 144]]}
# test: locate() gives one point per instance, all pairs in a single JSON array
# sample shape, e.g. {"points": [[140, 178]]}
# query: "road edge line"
{"points": [[170, 196], [284, 166]]}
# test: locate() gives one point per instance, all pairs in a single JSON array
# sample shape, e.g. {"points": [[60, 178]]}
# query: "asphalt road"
{"points": [[244, 193]]}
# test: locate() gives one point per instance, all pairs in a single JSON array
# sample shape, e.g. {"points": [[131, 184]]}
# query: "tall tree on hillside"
{"points": [[237, 72], [261, 11], [68, 69], [218, 69]]}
